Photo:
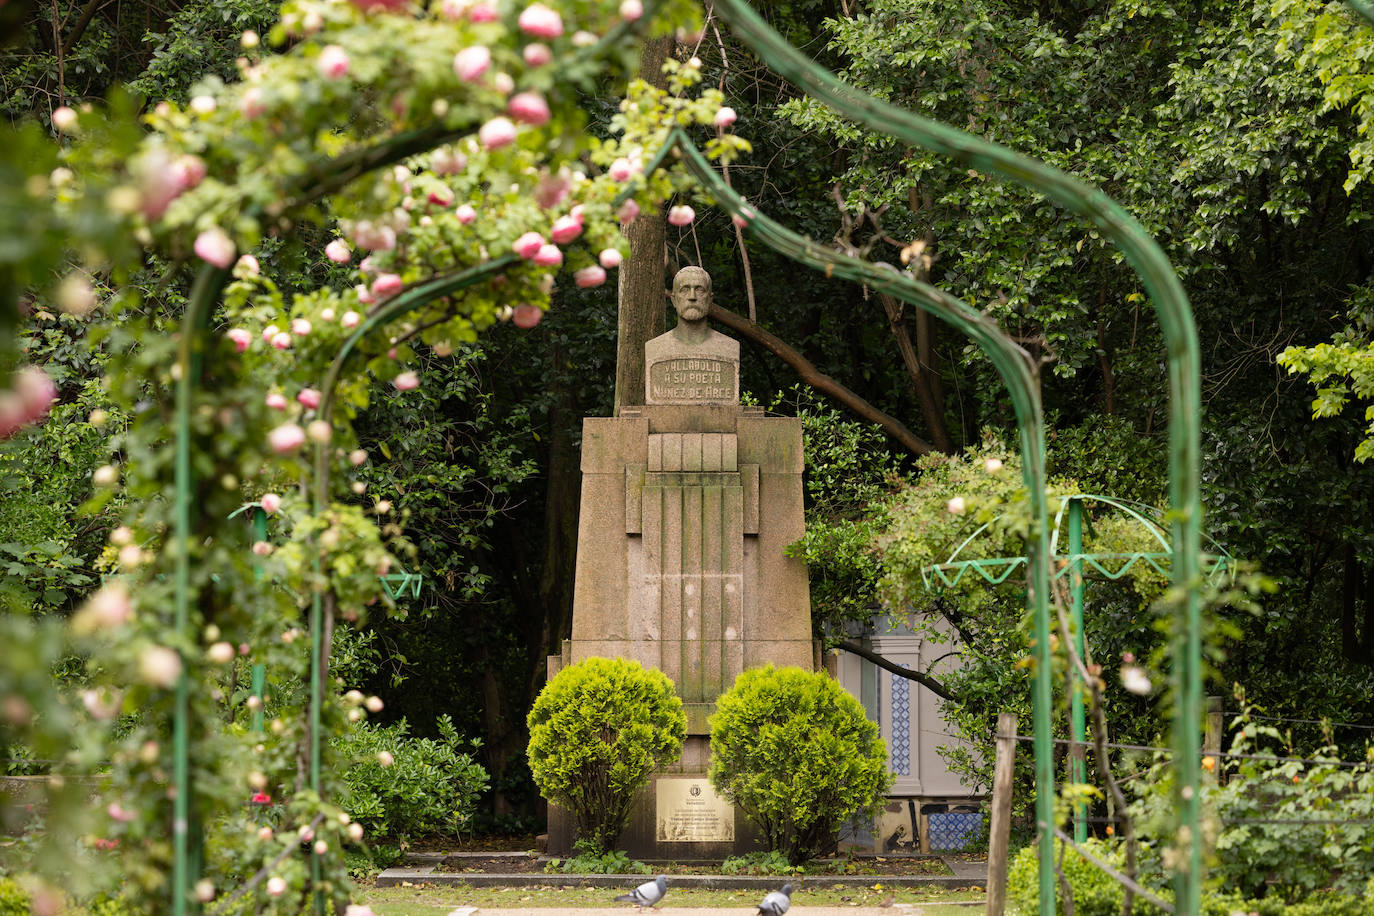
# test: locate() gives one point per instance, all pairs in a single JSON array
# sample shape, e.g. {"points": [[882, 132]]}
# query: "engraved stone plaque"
{"points": [[689, 811], [693, 381]]}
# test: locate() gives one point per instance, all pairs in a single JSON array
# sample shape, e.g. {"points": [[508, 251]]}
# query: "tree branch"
{"points": [[87, 14], [822, 382], [925, 680]]}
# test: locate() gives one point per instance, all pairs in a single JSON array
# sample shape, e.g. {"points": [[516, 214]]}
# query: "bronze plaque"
{"points": [[689, 811]]}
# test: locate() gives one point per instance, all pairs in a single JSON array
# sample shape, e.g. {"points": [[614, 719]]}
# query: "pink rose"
{"points": [[190, 171], [118, 813], [386, 286], [724, 117], [681, 216], [441, 197], [590, 276], [540, 21], [526, 315], [159, 666], [548, 256], [496, 133], [621, 169], [301, 327], [537, 54], [629, 211], [483, 12], [369, 235], [350, 319], [247, 266], [529, 108], [286, 438], [269, 332], [276, 401], [281, 340], [470, 63], [406, 381], [251, 104], [610, 258], [271, 503], [447, 162], [214, 246], [333, 62], [465, 214], [338, 252], [36, 391], [528, 245], [240, 338], [630, 10], [565, 229], [309, 398]]}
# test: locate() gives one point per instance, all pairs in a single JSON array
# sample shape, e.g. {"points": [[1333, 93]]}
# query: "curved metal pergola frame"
{"points": [[952, 570], [1017, 370]]}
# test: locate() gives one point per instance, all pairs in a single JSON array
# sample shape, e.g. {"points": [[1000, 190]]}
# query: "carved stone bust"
{"points": [[691, 364]]}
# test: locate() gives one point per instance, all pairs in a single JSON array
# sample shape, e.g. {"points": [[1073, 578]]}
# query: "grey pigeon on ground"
{"points": [[647, 894], [777, 902]]}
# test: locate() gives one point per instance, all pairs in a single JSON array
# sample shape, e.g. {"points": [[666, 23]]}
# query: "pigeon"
{"points": [[647, 894], [776, 903]]}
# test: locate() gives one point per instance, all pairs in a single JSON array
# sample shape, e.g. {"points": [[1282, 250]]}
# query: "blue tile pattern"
{"points": [[901, 725], [954, 830]]}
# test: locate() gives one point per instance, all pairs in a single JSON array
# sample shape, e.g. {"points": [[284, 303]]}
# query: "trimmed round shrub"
{"points": [[798, 756], [597, 731]]}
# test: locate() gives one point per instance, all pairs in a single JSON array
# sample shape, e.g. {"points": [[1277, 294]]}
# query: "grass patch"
{"points": [[423, 900]]}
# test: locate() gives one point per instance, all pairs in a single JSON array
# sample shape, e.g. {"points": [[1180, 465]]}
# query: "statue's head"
{"points": [[692, 294]]}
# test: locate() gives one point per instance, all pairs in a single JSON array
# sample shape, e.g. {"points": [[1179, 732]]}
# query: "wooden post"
{"points": [[999, 832], [1211, 739], [1212, 735]]}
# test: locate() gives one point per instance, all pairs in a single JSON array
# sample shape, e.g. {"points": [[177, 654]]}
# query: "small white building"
{"points": [[929, 808]]}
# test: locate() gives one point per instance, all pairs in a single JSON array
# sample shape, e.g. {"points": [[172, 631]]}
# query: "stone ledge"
{"points": [[396, 877]]}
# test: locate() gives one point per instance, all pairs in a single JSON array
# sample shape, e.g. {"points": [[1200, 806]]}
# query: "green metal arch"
{"points": [[1180, 335], [1015, 367]]}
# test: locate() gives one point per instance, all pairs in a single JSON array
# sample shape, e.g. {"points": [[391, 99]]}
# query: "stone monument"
{"points": [[688, 504]]}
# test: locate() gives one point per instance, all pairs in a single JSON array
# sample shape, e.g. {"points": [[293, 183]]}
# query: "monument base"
{"points": [[676, 816]]}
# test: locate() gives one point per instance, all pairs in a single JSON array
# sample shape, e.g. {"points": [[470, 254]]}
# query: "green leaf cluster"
{"points": [[431, 788], [598, 730], [798, 756]]}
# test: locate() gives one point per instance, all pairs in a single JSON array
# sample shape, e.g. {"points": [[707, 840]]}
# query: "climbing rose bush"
{"points": [[433, 140]]}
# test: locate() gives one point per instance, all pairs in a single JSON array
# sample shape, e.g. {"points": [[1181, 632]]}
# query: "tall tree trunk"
{"points": [[918, 373], [1350, 588], [1104, 357], [642, 276], [561, 500]]}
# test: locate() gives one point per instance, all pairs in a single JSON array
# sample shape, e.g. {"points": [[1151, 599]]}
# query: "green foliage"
{"points": [[1269, 817], [1097, 894], [849, 472], [597, 732], [1331, 42], [431, 788], [1094, 892], [769, 862], [587, 860], [13, 900], [1342, 370], [798, 756]]}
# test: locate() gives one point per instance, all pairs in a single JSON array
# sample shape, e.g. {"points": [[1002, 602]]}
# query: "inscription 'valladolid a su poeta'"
{"points": [[688, 504]]}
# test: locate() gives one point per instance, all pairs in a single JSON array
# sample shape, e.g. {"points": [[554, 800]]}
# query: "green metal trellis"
{"points": [[1075, 565]]}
